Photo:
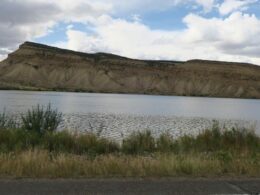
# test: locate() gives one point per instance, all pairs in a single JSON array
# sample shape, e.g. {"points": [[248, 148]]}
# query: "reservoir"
{"points": [[117, 115]]}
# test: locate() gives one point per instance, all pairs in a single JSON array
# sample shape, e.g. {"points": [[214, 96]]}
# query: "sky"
{"points": [[226, 30]]}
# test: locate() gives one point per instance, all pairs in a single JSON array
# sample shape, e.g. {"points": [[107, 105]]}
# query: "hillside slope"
{"points": [[35, 66]]}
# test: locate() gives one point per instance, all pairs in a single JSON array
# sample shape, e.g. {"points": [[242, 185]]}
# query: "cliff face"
{"points": [[35, 66]]}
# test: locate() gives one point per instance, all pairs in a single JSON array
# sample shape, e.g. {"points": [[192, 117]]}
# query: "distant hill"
{"points": [[39, 67]]}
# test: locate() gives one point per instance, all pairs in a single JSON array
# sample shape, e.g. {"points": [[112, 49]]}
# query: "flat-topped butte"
{"points": [[40, 67]]}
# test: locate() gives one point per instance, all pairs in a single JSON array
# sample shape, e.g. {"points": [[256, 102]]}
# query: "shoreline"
{"points": [[29, 89]]}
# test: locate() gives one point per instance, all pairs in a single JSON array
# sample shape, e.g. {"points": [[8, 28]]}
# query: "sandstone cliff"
{"points": [[35, 66]]}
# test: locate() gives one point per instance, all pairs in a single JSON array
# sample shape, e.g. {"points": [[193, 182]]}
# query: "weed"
{"points": [[138, 143], [41, 120]]}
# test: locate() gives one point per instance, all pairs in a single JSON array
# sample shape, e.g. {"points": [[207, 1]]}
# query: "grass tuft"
{"points": [[41, 120], [139, 143]]}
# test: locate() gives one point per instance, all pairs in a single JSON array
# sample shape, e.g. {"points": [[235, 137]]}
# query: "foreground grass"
{"points": [[66, 155], [43, 164], [35, 149]]}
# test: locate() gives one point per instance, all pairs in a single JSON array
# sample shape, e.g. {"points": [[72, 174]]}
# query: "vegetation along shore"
{"points": [[34, 148]]}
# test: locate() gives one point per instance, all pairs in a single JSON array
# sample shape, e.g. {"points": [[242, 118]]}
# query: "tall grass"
{"points": [[58, 142], [139, 142], [78, 143], [211, 140], [217, 139], [38, 131], [41, 120], [36, 149]]}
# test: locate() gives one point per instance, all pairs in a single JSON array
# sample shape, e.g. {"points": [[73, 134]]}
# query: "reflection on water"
{"points": [[77, 105]]}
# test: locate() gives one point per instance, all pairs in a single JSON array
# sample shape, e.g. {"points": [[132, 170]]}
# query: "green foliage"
{"points": [[138, 143], [227, 140], [41, 120], [39, 125], [78, 144], [185, 144], [166, 143], [224, 156], [17, 139], [58, 142], [211, 140]]}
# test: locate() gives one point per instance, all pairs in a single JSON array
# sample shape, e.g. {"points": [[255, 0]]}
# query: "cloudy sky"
{"points": [[145, 29]]}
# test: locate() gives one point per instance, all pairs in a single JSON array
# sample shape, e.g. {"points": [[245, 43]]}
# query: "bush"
{"points": [[240, 139], [224, 156], [77, 144], [138, 143], [17, 139], [41, 120], [92, 144], [58, 141], [166, 143], [186, 143], [217, 139]]}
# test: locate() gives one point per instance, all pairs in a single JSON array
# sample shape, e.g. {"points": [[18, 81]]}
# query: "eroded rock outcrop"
{"points": [[36, 66]]}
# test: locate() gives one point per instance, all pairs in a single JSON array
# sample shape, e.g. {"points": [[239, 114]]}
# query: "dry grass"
{"points": [[40, 153], [42, 164]]}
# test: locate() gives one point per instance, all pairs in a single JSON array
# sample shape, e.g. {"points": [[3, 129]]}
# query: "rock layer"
{"points": [[40, 67]]}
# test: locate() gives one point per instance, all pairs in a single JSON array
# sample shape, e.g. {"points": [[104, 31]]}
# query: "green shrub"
{"points": [[138, 143], [77, 144], [17, 139], [240, 139], [166, 143], [93, 144], [41, 120], [58, 141], [224, 156], [186, 143], [217, 139], [106, 146]]}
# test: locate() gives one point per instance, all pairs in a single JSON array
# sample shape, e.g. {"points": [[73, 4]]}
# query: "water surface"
{"points": [[122, 108]]}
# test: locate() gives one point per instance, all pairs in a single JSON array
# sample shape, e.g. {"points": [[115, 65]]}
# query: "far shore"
{"points": [[31, 89]]}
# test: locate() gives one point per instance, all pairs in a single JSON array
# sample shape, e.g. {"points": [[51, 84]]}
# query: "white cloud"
{"points": [[81, 41], [215, 38], [218, 39], [229, 6], [23, 20]]}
